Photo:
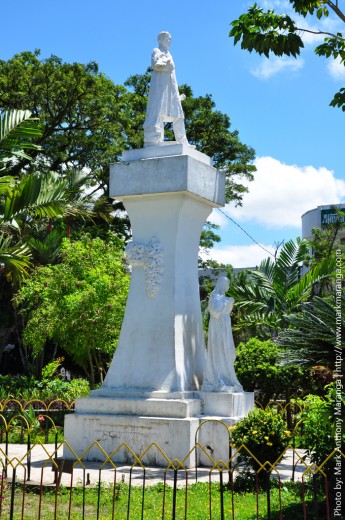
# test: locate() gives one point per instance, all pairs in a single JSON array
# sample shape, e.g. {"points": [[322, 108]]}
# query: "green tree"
{"points": [[321, 432], [77, 304], [326, 243], [29, 201], [269, 32], [17, 129], [208, 237], [319, 423], [310, 334], [327, 239], [80, 112]]}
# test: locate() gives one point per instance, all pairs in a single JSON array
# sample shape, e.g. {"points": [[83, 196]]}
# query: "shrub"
{"points": [[318, 424], [264, 434], [26, 388], [259, 369]]}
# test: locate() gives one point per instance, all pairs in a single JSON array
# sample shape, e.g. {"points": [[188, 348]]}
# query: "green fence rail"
{"points": [[78, 488]]}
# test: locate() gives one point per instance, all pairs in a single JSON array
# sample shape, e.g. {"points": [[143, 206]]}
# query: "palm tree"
{"points": [[28, 203], [278, 288], [314, 331], [17, 130], [37, 209]]}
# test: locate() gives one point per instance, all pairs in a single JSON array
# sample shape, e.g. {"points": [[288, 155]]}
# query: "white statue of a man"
{"points": [[221, 353], [164, 102]]}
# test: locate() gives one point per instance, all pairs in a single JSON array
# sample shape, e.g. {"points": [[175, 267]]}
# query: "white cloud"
{"points": [[274, 65], [331, 24], [277, 5], [239, 256], [313, 37], [281, 193], [336, 69]]}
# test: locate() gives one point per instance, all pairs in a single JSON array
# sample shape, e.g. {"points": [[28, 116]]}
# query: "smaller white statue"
{"points": [[164, 102], [220, 373]]}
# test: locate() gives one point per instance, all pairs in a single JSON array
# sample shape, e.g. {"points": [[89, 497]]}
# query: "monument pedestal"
{"points": [[174, 422], [152, 390]]}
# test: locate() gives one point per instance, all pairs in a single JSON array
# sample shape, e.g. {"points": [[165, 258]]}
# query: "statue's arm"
{"points": [[217, 306], [160, 62], [230, 304]]}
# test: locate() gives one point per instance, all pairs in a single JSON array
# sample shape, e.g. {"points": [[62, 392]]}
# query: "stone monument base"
{"points": [[155, 426], [168, 192]]}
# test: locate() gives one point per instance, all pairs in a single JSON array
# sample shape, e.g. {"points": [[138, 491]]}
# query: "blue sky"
{"points": [[279, 106]]}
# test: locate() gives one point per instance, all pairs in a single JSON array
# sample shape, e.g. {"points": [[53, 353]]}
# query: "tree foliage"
{"points": [[278, 287], [30, 200], [268, 32], [319, 420], [77, 304], [23, 200], [79, 110], [17, 129], [312, 332], [35, 212], [259, 369], [327, 239]]}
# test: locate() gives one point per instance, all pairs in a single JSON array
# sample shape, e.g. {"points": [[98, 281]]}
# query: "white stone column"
{"points": [[168, 199]]}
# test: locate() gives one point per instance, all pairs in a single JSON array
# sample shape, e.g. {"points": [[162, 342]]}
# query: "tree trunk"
{"points": [[99, 365], [92, 370]]}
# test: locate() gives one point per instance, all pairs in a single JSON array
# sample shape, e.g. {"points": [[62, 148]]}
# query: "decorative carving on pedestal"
{"points": [[150, 257]]}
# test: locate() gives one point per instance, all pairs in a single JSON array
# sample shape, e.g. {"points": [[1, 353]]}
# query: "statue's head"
{"points": [[222, 285], [164, 39]]}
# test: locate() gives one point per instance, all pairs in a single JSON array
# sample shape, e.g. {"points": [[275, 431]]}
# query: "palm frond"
{"points": [[289, 261], [16, 258], [6, 182], [47, 249], [31, 195], [301, 290], [312, 332], [17, 129]]}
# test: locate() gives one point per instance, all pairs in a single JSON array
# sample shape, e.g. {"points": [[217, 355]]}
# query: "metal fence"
{"points": [[38, 482]]}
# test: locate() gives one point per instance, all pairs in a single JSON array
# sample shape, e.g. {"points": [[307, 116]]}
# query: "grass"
{"points": [[200, 501]]}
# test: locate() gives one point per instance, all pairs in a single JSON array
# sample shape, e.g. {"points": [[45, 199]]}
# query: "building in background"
{"points": [[321, 217]]}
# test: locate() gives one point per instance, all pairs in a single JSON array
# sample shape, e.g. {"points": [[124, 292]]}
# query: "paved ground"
{"points": [[41, 469]]}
